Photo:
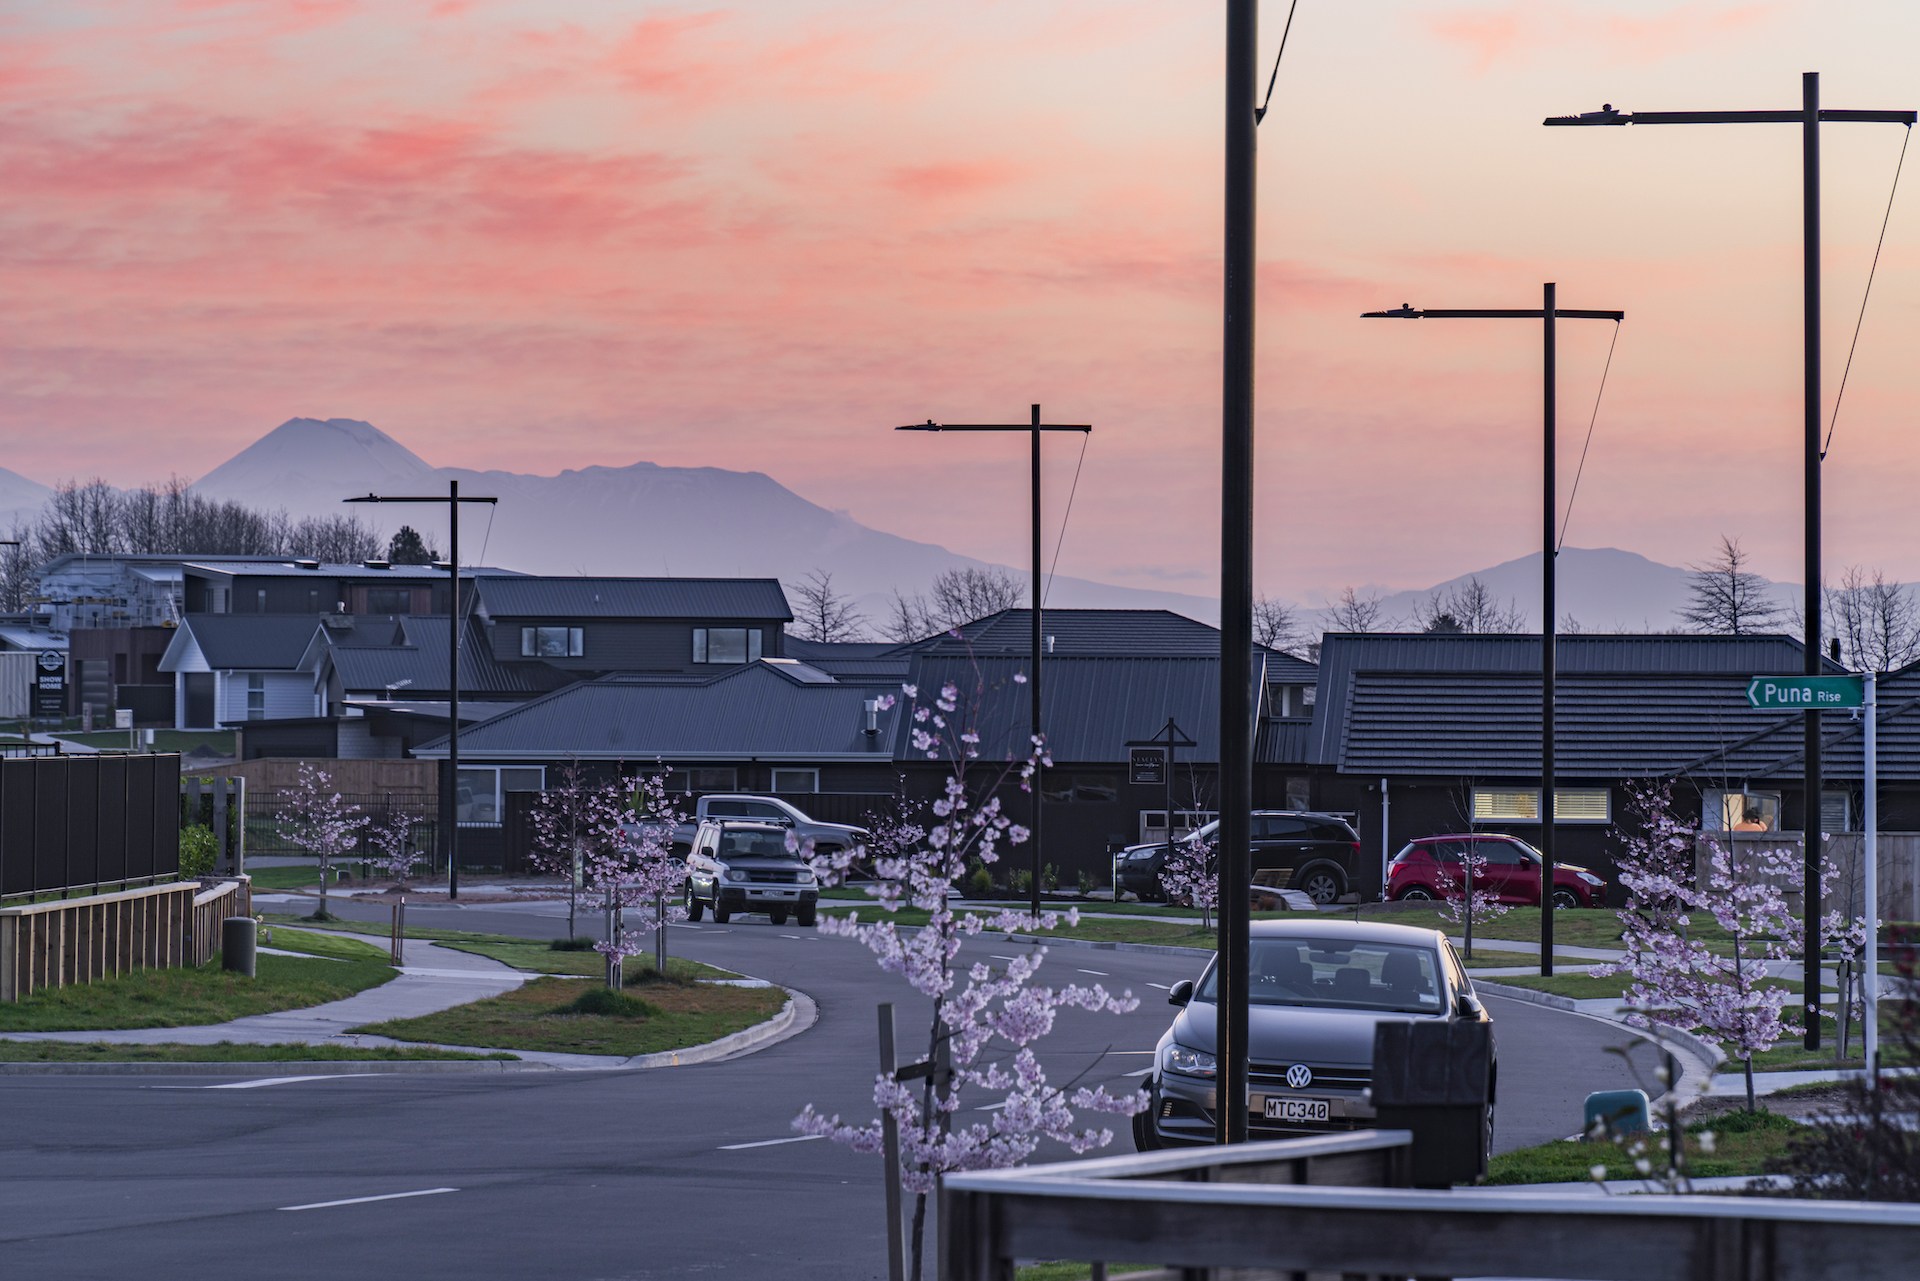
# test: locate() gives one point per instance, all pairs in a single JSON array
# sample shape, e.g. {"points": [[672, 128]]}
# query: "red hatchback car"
{"points": [[1431, 868]]}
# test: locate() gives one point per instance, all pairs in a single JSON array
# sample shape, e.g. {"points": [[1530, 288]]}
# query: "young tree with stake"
{"points": [[320, 821]]}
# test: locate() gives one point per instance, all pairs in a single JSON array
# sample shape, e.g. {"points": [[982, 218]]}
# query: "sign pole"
{"points": [[1870, 964]]}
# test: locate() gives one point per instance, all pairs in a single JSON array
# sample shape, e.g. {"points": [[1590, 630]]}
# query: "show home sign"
{"points": [[1804, 693]]}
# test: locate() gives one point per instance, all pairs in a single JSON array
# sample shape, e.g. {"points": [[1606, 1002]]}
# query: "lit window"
{"points": [[726, 644], [552, 642], [1522, 805], [1722, 811]]}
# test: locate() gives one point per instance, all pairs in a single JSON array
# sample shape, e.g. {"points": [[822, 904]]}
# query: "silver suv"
{"points": [[1316, 989], [745, 867]]}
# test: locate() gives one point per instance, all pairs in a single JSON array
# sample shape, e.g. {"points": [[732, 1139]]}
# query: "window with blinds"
{"points": [[1522, 805]]}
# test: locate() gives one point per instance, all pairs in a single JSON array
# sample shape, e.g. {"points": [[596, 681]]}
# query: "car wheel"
{"points": [[721, 914], [1487, 1155], [1145, 1137], [805, 916], [695, 908], [1322, 885], [778, 915], [1418, 894], [1565, 900]]}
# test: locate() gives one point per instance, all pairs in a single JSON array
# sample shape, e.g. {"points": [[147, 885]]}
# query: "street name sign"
{"points": [[1800, 693]]}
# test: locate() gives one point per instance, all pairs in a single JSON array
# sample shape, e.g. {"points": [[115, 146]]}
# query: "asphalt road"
{"points": [[575, 1175]]}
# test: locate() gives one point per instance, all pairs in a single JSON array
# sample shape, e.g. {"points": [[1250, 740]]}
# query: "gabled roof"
{"points": [[287, 569], [243, 642], [422, 659], [689, 598], [1110, 633], [755, 711]]}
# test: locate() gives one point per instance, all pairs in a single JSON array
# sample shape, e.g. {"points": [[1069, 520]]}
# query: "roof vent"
{"points": [[443, 564], [1049, 644], [377, 564], [306, 564]]}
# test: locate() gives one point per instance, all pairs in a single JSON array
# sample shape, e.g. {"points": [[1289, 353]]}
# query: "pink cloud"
{"points": [[1495, 36]]}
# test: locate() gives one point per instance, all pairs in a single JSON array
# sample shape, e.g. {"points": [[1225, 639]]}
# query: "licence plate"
{"points": [[1285, 1109], [779, 893]]}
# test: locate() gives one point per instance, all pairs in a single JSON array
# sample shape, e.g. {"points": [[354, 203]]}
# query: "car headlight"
{"points": [[805, 877], [1590, 878], [1189, 1062], [735, 874], [1141, 856]]}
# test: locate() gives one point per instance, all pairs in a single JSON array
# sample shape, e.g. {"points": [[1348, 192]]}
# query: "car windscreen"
{"points": [[1347, 974], [754, 845]]}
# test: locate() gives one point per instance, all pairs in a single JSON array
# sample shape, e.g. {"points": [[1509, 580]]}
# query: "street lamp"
{"points": [[1808, 117], [450, 783], [1547, 313], [1035, 427]]}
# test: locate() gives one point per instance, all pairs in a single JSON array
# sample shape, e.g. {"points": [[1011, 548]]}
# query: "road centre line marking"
{"points": [[1164, 987], [790, 936], [362, 1200], [996, 956], [768, 1143], [1145, 1071], [280, 1080], [1102, 973]]}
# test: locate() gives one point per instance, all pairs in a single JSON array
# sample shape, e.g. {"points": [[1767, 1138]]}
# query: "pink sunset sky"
{"points": [[549, 234]]}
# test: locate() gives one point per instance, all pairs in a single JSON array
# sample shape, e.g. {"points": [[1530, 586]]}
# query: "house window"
{"points": [[725, 779], [552, 642], [260, 601], [388, 600], [1522, 805], [796, 780], [1729, 811], [1299, 793], [1058, 788], [256, 696], [726, 644]]}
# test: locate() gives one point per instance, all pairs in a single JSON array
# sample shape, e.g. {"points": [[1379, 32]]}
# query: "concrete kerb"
{"points": [[1698, 1057]]}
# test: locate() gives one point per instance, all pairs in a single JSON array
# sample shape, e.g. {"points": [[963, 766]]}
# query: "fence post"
{"points": [[890, 1147], [220, 786], [397, 944], [240, 827]]}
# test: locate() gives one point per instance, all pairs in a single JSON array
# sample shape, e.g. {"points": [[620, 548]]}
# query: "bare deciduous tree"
{"points": [[1470, 609], [1277, 625], [959, 596], [906, 619], [1726, 599], [822, 614], [1876, 622], [1354, 613]]}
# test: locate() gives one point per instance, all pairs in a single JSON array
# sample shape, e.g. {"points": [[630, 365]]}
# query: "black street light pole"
{"points": [[1808, 117], [450, 781], [1035, 427], [1236, 569], [1546, 313]]}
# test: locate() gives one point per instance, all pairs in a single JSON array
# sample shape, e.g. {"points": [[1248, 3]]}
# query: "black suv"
{"points": [[1297, 849]]}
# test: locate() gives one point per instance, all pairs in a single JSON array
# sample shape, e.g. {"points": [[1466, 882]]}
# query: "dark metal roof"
{"points": [[1606, 727], [1342, 655], [245, 642], [756, 711], [810, 651], [287, 569], [691, 598], [1284, 742], [1085, 633]]}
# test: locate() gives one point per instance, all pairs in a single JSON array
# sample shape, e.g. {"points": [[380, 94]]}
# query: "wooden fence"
{"points": [[78, 940], [212, 905], [1897, 858], [1327, 1207]]}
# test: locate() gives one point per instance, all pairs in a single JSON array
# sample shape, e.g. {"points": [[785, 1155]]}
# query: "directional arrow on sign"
{"points": [[1801, 693]]}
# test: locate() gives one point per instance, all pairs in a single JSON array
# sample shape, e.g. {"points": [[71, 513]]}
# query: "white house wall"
{"points": [[288, 695]]}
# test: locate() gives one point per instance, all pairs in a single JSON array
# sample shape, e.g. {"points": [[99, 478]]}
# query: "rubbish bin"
{"points": [[239, 944], [1436, 1079]]}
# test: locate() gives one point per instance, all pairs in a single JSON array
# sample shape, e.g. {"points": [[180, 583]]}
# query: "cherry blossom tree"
{"points": [[574, 823], [322, 822], [1466, 908], [639, 877], [1189, 877], [985, 1020], [392, 836]]}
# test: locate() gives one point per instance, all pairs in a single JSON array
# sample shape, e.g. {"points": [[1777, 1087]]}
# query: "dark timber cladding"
{"points": [[76, 822]]}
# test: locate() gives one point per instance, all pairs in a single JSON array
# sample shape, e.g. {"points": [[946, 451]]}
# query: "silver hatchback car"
{"points": [[1316, 988]]}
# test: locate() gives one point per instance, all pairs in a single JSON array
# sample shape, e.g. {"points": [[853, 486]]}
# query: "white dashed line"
{"points": [[996, 956], [768, 1143], [1145, 1071], [790, 936], [1164, 987], [362, 1200], [272, 1080], [1101, 973]]}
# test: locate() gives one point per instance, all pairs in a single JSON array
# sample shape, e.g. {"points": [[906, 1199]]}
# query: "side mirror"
{"points": [[1467, 1006], [1180, 993]]}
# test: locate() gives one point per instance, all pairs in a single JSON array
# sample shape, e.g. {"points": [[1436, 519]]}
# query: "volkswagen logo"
{"points": [[1299, 1076]]}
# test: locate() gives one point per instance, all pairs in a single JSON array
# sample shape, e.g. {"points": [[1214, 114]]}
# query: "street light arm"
{"points": [[430, 498], [1491, 313], [932, 426], [1608, 116]]}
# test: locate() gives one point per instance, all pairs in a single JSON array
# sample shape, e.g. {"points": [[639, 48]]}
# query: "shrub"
{"points": [[571, 945], [198, 850], [598, 1000], [980, 884]]}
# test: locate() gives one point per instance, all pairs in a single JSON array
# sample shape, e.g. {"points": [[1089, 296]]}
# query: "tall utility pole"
{"points": [[450, 779], [1236, 572], [1546, 313], [1808, 117], [1034, 428]]}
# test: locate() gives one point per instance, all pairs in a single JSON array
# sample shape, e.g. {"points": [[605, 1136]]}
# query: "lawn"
{"points": [[538, 958], [339, 946], [1576, 927], [1060, 1270], [1741, 1144], [224, 1052], [535, 1017], [190, 997], [295, 876]]}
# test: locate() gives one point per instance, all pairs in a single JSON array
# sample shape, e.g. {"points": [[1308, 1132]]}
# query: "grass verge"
{"points": [[338, 946], [1741, 1143], [1100, 930], [1061, 1270], [292, 876], [224, 1052], [536, 1017], [190, 997], [538, 958]]}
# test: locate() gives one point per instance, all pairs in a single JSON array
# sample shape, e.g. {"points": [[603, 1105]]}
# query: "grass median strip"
{"points": [[338, 946], [190, 997], [539, 958], [539, 1016], [1742, 1142], [224, 1052]]}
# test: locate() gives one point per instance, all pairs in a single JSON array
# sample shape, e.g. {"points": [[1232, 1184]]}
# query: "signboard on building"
{"points": [[1147, 766], [50, 685], [1805, 693]]}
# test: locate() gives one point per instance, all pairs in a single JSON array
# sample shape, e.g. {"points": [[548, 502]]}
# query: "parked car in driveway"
{"points": [[746, 867], [1433, 868], [1292, 849], [1317, 989], [828, 838]]}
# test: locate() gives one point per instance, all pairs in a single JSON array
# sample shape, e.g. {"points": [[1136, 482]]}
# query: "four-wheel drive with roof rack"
{"points": [[746, 867], [1313, 852], [828, 838]]}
